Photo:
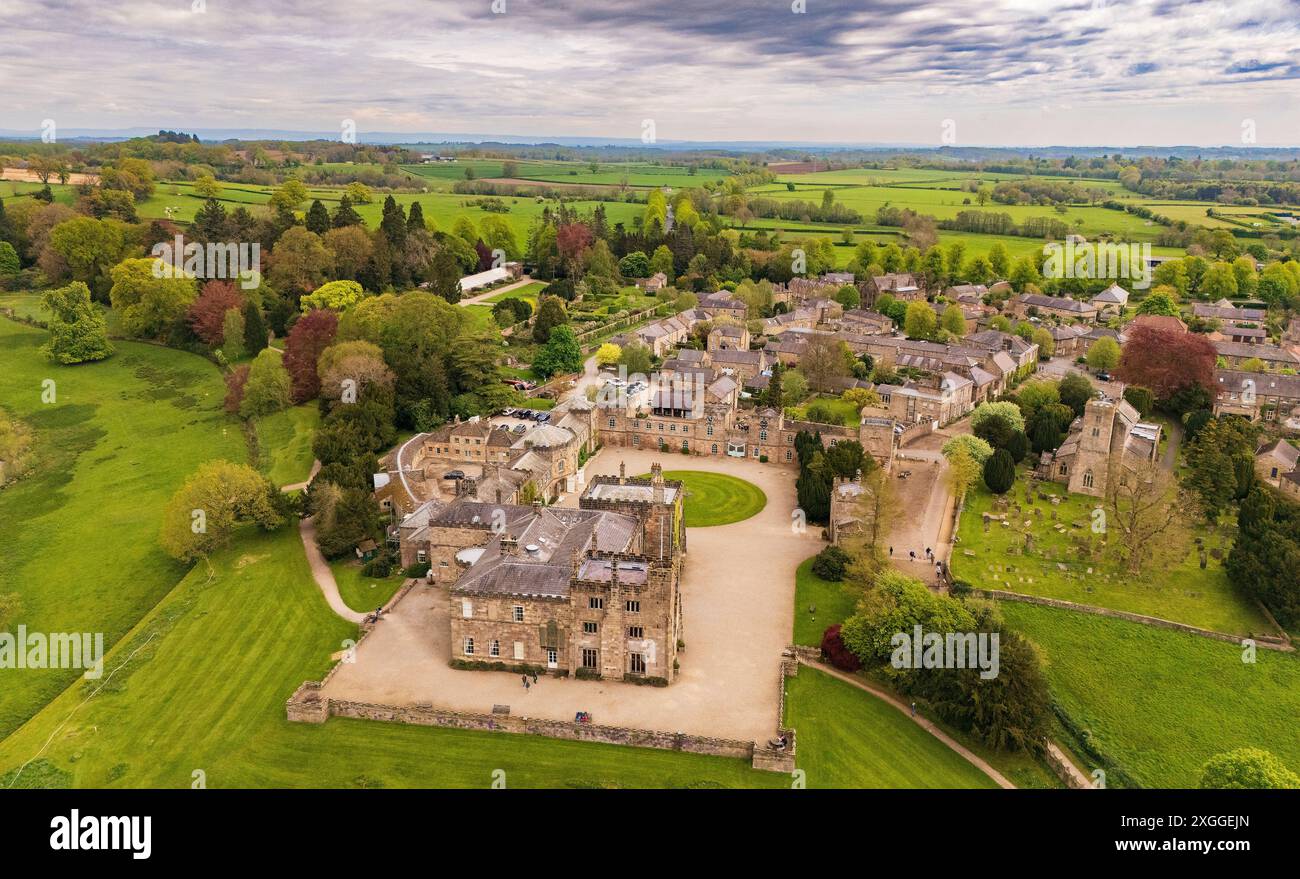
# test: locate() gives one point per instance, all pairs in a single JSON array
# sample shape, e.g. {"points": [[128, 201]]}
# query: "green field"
{"points": [[359, 592], [634, 174], [206, 693], [1184, 593], [715, 498], [284, 443], [80, 535], [1159, 702], [834, 603], [846, 737]]}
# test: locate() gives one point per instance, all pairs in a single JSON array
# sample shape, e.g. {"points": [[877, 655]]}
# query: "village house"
{"points": [[803, 318], [664, 335], [1274, 460], [938, 398], [724, 304], [1069, 340], [1022, 352], [1111, 302], [1109, 433], [1291, 335], [1233, 354], [1243, 335], [1225, 311], [1063, 308], [654, 283], [903, 286], [1258, 396], [967, 294], [728, 337], [1164, 322], [866, 323]]}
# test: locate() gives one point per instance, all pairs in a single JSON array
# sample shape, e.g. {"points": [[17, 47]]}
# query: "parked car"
{"points": [[454, 474]]}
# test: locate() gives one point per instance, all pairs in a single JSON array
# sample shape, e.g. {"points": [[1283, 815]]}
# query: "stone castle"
{"points": [[590, 592]]}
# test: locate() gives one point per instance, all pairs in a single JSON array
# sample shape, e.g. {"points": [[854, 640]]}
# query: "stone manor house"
{"points": [[592, 592]]}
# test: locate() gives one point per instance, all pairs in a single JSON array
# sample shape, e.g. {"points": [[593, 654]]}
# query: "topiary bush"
{"points": [[1000, 472], [831, 563]]}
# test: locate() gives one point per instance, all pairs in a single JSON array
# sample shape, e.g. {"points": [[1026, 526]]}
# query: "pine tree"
{"points": [[393, 225], [345, 215], [210, 222], [318, 219], [415, 220], [444, 276], [255, 335]]}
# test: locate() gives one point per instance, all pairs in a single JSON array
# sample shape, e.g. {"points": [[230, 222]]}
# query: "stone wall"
{"points": [[1269, 642], [307, 705]]}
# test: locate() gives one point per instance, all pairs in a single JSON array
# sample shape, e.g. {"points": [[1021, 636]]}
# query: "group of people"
{"points": [[528, 684], [929, 556]]}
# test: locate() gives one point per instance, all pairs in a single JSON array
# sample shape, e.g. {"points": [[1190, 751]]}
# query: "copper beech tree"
{"points": [[1167, 360]]}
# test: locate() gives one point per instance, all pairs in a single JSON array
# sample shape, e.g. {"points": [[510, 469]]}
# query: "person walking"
{"points": [[891, 552], [914, 709], [534, 677], [524, 678]]}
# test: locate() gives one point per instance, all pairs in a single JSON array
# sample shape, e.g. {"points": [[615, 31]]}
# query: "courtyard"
{"points": [[738, 603]]}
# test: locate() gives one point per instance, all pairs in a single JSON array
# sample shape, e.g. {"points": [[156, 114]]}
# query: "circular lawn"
{"points": [[715, 498]]}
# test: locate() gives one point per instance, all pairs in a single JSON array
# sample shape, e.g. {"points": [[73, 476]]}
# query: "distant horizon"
{"points": [[432, 138], [1005, 73]]}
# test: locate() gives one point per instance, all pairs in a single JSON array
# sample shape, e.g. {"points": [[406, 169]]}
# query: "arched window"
{"points": [[1087, 479]]}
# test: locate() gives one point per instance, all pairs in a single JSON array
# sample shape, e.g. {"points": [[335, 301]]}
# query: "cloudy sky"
{"points": [[1005, 72]]}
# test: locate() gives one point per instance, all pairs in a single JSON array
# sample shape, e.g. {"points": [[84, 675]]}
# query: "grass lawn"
{"points": [[849, 738], [845, 412], [835, 602], [1160, 702], [207, 693], [481, 317], [359, 592], [80, 535], [528, 292], [715, 498], [284, 442], [1183, 593]]}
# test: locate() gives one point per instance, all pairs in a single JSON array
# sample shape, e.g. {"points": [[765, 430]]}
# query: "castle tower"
{"points": [[613, 634]]}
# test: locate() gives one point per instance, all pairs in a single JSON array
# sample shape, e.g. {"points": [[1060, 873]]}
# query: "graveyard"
{"points": [[1040, 540]]}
